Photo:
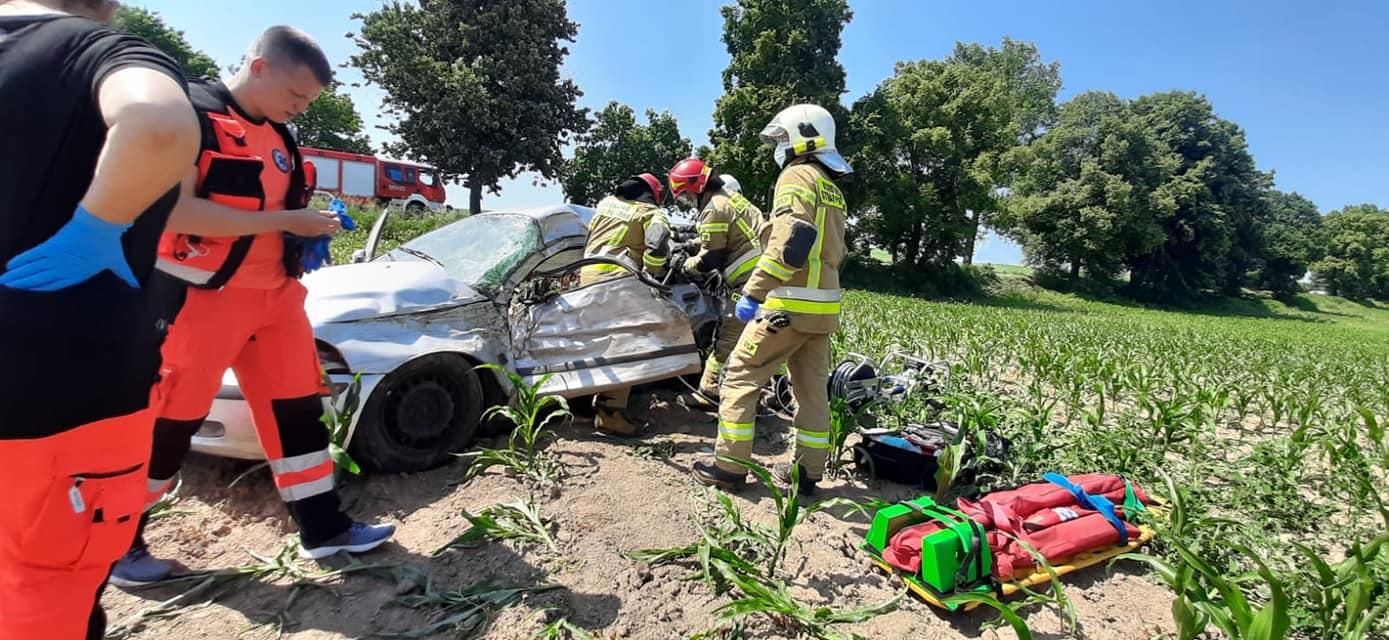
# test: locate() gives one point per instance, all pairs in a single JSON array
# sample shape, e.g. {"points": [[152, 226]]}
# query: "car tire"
{"points": [[419, 415]]}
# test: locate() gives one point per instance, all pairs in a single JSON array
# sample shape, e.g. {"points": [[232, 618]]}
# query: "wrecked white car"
{"points": [[500, 288]]}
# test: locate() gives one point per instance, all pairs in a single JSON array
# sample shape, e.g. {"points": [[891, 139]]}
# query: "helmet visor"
{"points": [[775, 135]]}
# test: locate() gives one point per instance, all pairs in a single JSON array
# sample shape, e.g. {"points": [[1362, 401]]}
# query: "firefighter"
{"points": [[231, 278], [95, 131], [630, 226], [791, 302], [728, 227]]}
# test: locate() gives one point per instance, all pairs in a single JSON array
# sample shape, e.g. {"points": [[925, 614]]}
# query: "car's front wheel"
{"points": [[421, 413]]}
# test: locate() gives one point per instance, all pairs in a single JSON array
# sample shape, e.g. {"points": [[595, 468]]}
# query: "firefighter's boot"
{"points": [[782, 474], [613, 422], [709, 474], [699, 400]]}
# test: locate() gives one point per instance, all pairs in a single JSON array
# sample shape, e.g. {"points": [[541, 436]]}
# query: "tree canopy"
{"points": [[618, 147], [1086, 195], [934, 145], [1356, 260], [332, 122], [473, 87], [150, 26], [784, 52]]}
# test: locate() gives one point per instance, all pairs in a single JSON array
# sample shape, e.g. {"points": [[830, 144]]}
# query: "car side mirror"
{"points": [[359, 255]]}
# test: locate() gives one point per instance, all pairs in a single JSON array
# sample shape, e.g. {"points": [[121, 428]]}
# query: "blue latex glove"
{"points": [[316, 253], [746, 309], [83, 248]]}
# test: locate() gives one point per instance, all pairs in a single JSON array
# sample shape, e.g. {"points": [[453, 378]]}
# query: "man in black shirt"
{"points": [[95, 132]]}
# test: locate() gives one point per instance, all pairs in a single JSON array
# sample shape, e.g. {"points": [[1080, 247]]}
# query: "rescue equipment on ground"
{"points": [[983, 546]]}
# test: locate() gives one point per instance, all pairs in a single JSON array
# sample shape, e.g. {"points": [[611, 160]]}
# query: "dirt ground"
{"points": [[620, 497]]}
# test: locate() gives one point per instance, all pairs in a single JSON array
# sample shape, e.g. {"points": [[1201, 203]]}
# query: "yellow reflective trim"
{"points": [[601, 268], [739, 203], [806, 146], [775, 269], [736, 431], [747, 231], [742, 269], [803, 306], [813, 281], [619, 236], [796, 190], [830, 195]]}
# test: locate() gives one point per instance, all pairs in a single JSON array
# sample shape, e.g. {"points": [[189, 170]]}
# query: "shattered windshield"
{"points": [[480, 250]]}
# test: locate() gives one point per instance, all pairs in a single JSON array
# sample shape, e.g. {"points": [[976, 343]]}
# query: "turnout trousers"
{"points": [[768, 341], [726, 338]]}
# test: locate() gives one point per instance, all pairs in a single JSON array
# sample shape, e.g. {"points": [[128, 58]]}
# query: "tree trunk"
{"points": [[474, 199], [973, 218], [913, 248]]}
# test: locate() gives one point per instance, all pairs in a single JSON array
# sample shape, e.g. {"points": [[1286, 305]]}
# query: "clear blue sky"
{"points": [[1307, 80]]}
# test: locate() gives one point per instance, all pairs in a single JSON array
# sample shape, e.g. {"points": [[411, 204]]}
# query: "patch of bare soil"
{"points": [[620, 497]]}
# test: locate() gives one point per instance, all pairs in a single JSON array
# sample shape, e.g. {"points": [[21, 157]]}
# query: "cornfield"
{"points": [[1271, 428]]}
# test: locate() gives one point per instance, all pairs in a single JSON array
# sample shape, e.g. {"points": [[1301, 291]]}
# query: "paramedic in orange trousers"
{"points": [[95, 131], [229, 262]]}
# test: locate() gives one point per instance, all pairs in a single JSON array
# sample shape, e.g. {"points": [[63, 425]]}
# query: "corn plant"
{"points": [[519, 521], [1343, 595], [466, 612], [769, 597], [339, 423], [532, 414], [562, 630]]}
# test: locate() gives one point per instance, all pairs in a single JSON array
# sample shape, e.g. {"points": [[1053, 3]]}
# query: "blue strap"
{"points": [[1098, 503]]}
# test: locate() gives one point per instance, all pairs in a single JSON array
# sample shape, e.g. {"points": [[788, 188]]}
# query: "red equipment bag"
{"points": [[1052, 518]]}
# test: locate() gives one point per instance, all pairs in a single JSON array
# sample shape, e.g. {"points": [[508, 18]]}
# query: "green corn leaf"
{"points": [[1190, 622], [1324, 573], [1164, 570], [1218, 616], [1008, 615], [1362, 628]]}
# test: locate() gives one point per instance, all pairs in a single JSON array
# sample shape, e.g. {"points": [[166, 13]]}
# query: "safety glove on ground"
{"points": [[83, 248]]}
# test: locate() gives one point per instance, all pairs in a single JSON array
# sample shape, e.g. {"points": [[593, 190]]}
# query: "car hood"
{"points": [[368, 290]]}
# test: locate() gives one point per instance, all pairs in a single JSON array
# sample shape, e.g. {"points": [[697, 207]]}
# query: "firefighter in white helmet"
{"points": [[790, 302]]}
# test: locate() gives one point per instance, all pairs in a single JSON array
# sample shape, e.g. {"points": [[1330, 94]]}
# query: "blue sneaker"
{"points": [[137, 568], [359, 538]]}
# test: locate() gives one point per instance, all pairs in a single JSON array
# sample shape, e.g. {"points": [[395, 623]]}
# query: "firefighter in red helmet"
{"points": [[729, 226], [629, 226]]}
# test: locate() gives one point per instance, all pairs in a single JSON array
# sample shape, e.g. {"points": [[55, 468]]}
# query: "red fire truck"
{"points": [[415, 187]]}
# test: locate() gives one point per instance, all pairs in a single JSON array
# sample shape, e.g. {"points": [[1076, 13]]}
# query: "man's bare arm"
{"points": [[152, 137], [198, 216]]}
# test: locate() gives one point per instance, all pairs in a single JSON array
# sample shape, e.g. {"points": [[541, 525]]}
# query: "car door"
{"points": [[613, 333]]}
